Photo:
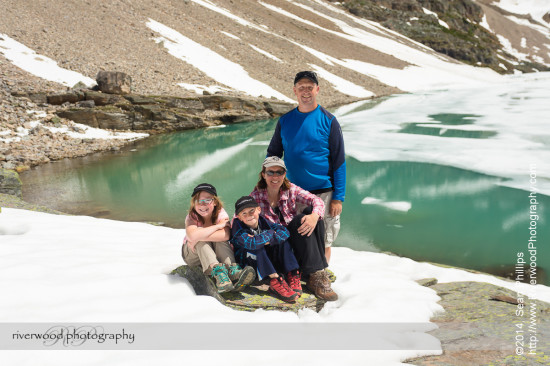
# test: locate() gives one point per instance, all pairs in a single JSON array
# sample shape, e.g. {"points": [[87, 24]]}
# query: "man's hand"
{"points": [[308, 224], [335, 208]]}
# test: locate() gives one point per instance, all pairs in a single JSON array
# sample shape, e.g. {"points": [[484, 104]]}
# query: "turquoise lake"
{"points": [[438, 176]]}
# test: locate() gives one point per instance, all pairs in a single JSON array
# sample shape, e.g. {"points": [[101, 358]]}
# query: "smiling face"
{"points": [[273, 179], [249, 216], [204, 205], [306, 92]]}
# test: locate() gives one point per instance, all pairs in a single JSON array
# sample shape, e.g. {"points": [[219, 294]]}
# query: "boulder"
{"points": [[251, 298], [10, 182], [427, 282], [113, 82]]}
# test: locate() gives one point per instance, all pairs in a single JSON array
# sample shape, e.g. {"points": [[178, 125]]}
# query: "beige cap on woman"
{"points": [[274, 161]]}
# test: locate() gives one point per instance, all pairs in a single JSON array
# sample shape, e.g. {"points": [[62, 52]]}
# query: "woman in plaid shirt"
{"points": [[277, 198]]}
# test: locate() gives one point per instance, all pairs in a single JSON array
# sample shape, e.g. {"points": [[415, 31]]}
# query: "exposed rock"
{"points": [[79, 85], [22, 168], [102, 99], [10, 182], [477, 330], [113, 82], [427, 282], [38, 97], [275, 108], [156, 114], [140, 99], [86, 104], [465, 39], [251, 298], [8, 165], [107, 118], [59, 99]]}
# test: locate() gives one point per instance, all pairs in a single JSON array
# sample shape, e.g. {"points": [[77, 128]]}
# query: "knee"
{"points": [[296, 222]]}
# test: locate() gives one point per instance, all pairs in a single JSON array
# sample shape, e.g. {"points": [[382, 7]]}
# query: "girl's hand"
{"points": [[308, 224], [222, 224], [191, 245]]}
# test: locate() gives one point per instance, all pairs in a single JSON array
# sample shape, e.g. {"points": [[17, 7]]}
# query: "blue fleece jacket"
{"points": [[313, 148]]}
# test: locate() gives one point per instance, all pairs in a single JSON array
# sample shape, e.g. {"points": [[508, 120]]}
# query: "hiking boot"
{"points": [[293, 280], [280, 289], [220, 275], [242, 277], [319, 284], [331, 275]]}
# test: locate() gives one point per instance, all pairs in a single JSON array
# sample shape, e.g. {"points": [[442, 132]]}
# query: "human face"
{"points": [[202, 206], [250, 216], [306, 92], [276, 179]]}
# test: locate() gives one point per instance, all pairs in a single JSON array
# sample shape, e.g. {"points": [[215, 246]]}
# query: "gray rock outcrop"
{"points": [[10, 183], [251, 298], [465, 39], [158, 114], [480, 324]]}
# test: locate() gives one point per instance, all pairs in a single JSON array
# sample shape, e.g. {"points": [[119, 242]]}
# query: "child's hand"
{"points": [[191, 245], [222, 224]]}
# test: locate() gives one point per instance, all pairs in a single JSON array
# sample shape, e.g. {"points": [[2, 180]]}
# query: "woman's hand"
{"points": [[308, 224]]}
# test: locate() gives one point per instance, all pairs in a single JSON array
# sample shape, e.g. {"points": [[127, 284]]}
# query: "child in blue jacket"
{"points": [[264, 246]]}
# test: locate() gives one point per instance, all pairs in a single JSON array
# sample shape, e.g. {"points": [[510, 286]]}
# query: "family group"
{"points": [[283, 231]]}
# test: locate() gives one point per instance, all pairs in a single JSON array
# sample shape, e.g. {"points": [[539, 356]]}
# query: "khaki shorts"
{"points": [[207, 252], [332, 223]]}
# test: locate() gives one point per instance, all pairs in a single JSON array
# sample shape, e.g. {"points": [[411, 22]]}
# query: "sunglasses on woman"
{"points": [[277, 173], [205, 202]]}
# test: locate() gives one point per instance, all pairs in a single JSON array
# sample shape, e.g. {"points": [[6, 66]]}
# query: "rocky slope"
{"points": [[270, 39], [458, 28]]}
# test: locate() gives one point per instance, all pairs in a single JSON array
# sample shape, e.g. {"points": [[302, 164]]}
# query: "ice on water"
{"points": [[515, 110]]}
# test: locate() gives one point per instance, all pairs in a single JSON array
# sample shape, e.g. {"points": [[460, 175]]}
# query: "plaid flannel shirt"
{"points": [[271, 232], [287, 203]]}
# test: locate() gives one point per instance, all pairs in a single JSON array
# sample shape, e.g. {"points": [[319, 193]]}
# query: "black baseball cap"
{"points": [[245, 202], [306, 74], [204, 187]]}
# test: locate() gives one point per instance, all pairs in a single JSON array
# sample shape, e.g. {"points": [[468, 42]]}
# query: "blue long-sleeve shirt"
{"points": [[313, 148]]}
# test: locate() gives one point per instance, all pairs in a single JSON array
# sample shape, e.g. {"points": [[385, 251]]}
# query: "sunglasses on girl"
{"points": [[205, 202], [277, 173]]}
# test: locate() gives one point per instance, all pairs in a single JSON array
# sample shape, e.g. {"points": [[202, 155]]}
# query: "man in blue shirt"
{"points": [[313, 146]]}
